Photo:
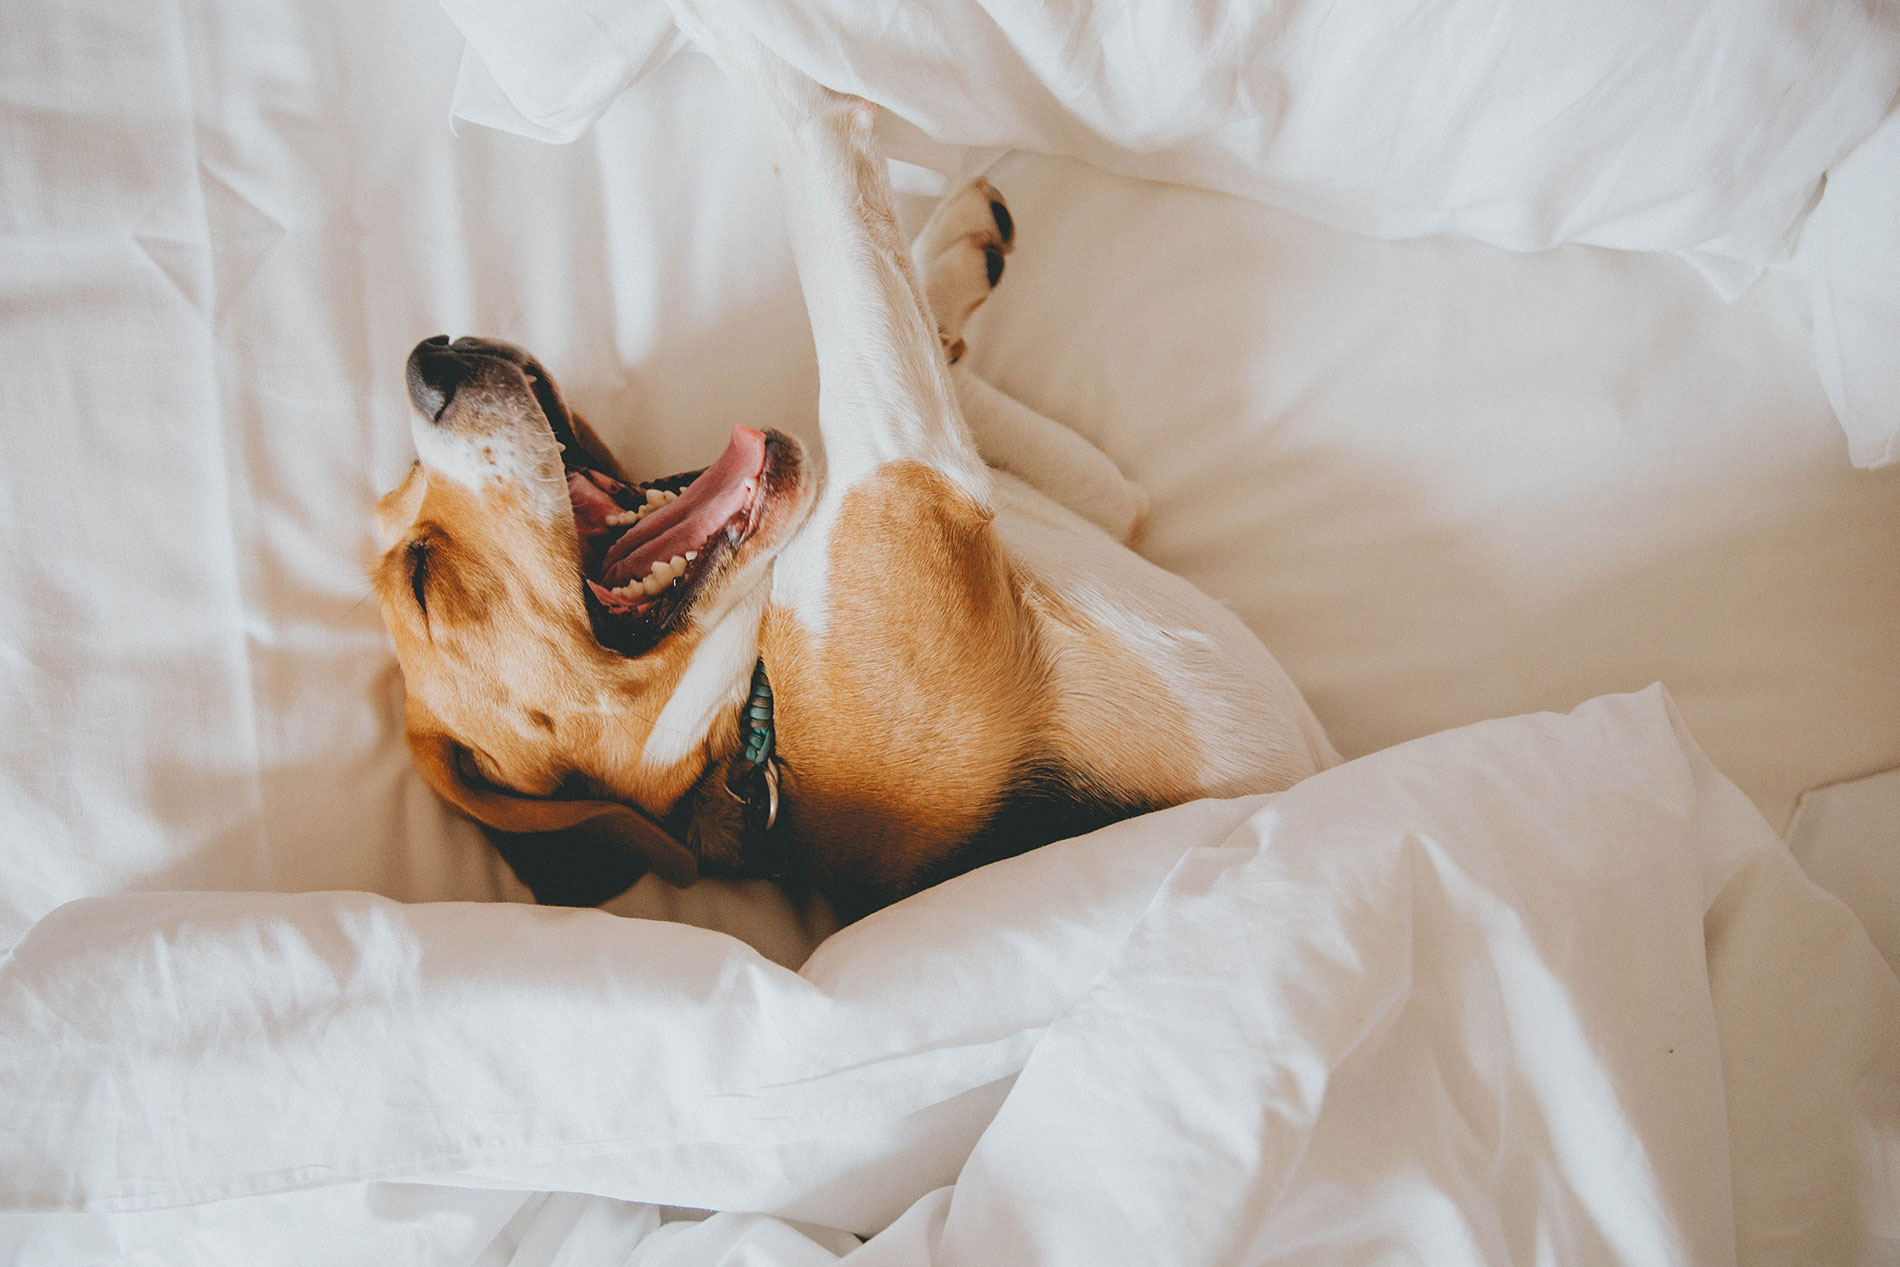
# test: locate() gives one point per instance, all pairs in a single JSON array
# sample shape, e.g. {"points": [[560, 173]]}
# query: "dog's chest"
{"points": [[905, 707]]}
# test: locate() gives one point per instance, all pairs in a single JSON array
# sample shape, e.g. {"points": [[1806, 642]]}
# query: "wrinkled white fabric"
{"points": [[1842, 835], [1850, 250], [1445, 483], [1697, 126], [1492, 994], [1635, 124]]}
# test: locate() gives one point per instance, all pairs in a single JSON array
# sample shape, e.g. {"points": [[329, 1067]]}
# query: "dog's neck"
{"points": [[702, 726], [727, 818], [699, 719]]}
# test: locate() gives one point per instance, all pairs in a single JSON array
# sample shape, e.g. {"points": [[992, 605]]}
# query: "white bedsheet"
{"points": [[1544, 988]]}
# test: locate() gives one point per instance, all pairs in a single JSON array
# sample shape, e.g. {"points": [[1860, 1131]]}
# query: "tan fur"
{"points": [[447, 767], [941, 674], [1114, 721], [504, 658], [900, 726]]}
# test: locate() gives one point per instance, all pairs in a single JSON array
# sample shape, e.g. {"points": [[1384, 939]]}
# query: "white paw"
{"points": [[959, 256]]}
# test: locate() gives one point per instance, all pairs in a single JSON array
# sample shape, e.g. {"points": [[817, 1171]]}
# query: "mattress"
{"points": [[1444, 481]]}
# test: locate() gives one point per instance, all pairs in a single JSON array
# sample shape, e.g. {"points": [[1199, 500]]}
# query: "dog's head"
{"points": [[544, 606]]}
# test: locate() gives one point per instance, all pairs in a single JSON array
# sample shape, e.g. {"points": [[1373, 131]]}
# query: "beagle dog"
{"points": [[860, 672]]}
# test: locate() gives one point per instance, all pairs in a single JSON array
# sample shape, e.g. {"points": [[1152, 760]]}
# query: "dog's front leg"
{"points": [[884, 393]]}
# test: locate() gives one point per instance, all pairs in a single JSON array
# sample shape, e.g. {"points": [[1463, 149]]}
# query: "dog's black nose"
{"points": [[435, 371]]}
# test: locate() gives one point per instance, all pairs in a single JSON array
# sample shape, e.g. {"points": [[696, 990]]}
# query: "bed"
{"points": [[1539, 477]]}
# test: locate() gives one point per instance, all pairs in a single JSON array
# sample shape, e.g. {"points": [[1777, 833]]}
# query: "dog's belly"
{"points": [[983, 685], [1164, 684]]}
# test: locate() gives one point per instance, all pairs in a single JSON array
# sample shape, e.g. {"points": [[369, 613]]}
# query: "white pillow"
{"points": [[1696, 125]]}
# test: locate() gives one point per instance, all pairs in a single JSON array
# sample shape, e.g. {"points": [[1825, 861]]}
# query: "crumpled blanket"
{"points": [[1542, 988]]}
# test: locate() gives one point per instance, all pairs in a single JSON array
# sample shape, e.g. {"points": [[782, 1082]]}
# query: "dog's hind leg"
{"points": [[959, 258], [1054, 460]]}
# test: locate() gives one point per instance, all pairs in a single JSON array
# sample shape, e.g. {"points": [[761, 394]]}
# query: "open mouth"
{"points": [[645, 547], [648, 550]]}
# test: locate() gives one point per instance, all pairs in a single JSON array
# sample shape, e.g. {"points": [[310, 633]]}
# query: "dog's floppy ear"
{"points": [[571, 853]]}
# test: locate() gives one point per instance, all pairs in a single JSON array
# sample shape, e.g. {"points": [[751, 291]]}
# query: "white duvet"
{"points": [[1538, 990], [1704, 127]]}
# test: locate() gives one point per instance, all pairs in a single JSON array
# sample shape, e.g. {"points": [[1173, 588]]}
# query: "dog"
{"points": [[859, 671]]}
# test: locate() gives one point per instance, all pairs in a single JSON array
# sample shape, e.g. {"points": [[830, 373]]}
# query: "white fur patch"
{"points": [[801, 578], [480, 461], [716, 679]]}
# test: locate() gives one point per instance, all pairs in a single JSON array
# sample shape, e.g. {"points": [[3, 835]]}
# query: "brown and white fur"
{"points": [[966, 660]]}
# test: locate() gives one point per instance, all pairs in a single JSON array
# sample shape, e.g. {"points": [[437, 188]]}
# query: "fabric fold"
{"points": [[1455, 996]]}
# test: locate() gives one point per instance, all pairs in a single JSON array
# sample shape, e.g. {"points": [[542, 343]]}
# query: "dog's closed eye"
{"points": [[418, 559]]}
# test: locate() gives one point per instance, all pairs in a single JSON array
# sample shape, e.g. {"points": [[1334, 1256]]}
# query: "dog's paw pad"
{"points": [[960, 255], [1005, 226]]}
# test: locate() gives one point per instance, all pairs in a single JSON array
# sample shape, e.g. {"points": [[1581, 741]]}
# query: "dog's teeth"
{"points": [[671, 497], [678, 564], [690, 555], [655, 497]]}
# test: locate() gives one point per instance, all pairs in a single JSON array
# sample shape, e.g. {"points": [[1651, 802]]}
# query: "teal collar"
{"points": [[752, 778]]}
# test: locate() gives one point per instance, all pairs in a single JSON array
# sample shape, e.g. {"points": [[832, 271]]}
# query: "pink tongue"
{"points": [[724, 489]]}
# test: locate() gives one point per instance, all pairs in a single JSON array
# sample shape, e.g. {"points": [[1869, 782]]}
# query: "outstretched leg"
{"points": [[1049, 457], [884, 390]]}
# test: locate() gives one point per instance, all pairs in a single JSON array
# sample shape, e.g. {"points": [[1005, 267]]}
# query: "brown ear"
{"points": [[522, 825]]}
